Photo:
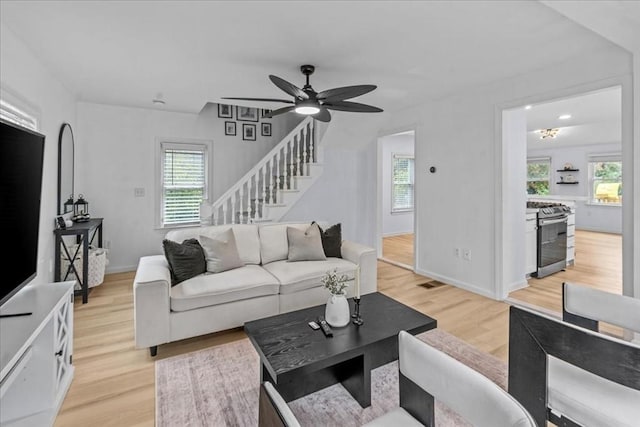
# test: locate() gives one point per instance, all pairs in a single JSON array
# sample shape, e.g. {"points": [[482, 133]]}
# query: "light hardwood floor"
{"points": [[114, 383], [399, 249]]}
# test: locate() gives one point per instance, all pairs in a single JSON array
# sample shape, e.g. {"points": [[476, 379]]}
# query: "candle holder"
{"points": [[357, 320]]}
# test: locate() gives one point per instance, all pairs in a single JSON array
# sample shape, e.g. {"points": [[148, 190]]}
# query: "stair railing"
{"points": [[244, 202]]}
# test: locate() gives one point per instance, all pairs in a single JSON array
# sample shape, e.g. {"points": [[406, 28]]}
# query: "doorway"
{"points": [[396, 208], [574, 157]]}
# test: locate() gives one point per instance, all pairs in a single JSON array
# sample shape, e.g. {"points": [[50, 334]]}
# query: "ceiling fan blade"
{"points": [[289, 88], [280, 111], [260, 99], [342, 93], [323, 115], [354, 107]]}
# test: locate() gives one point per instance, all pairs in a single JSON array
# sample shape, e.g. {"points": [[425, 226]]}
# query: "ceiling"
{"points": [[194, 52], [596, 118]]}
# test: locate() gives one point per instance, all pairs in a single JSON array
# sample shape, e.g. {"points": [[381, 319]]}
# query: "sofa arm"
{"points": [[151, 306], [366, 257]]}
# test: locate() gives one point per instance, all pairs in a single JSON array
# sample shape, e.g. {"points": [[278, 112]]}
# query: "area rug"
{"points": [[219, 386]]}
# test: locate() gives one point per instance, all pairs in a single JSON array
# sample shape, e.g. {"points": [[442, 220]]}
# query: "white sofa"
{"points": [[266, 285]]}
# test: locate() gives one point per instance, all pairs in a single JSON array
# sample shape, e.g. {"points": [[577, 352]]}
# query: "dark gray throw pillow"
{"points": [[186, 259], [332, 240]]}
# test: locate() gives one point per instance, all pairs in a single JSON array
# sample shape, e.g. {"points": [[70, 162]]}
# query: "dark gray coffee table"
{"points": [[298, 360]]}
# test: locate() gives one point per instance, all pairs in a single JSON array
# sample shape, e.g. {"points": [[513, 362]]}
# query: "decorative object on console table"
{"points": [[85, 233], [337, 308], [357, 320], [68, 205], [81, 210]]}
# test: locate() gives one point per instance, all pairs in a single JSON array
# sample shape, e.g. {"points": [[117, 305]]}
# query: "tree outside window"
{"points": [[605, 175], [538, 175]]}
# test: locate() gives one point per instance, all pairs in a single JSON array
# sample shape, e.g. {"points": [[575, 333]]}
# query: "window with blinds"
{"points": [[184, 182], [605, 178], [538, 175], [403, 182], [13, 114]]}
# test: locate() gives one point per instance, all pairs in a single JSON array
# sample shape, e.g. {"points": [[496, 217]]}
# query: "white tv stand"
{"points": [[36, 354]]}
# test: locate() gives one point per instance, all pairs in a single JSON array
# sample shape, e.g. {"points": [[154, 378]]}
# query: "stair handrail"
{"points": [[266, 158]]}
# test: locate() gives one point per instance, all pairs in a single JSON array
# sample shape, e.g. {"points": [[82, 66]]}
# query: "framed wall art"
{"points": [[225, 111], [264, 113], [247, 114], [265, 129], [230, 128], [248, 132]]}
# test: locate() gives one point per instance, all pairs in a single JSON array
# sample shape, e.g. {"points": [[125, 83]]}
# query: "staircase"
{"points": [[273, 185]]}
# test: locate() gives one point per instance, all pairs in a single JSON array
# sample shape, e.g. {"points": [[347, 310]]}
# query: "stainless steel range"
{"points": [[552, 237]]}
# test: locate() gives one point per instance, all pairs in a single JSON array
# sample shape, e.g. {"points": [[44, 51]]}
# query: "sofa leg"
{"points": [[153, 350]]}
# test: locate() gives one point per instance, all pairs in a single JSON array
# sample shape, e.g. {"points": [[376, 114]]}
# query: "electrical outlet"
{"points": [[456, 252], [466, 254], [138, 192], [107, 244]]}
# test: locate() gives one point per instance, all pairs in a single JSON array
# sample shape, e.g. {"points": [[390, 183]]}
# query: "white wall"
{"points": [[593, 217], [459, 134], [398, 222], [25, 77], [117, 153]]}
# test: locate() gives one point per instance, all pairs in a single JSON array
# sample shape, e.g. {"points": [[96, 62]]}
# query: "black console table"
{"points": [[85, 233]]}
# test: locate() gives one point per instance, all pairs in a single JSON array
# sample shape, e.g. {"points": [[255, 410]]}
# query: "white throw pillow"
{"points": [[221, 252], [305, 245]]}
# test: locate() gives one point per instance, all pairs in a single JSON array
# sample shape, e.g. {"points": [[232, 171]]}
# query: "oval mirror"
{"points": [[65, 168]]}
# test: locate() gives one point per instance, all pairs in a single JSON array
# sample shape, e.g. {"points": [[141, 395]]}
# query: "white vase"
{"points": [[336, 312]]}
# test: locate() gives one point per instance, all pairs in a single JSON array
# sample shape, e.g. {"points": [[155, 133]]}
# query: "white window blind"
{"points": [[184, 182], [403, 183], [13, 114]]}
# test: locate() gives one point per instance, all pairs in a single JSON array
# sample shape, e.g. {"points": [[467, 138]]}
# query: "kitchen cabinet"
{"points": [[571, 237], [531, 243]]}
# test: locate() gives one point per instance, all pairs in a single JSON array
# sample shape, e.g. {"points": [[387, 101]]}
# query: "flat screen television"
{"points": [[21, 165]]}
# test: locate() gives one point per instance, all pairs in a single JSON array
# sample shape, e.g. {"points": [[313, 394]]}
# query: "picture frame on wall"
{"points": [[248, 132], [230, 128], [264, 113], [247, 114], [225, 111], [265, 129]]}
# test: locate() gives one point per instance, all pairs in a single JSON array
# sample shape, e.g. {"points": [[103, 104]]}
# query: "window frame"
{"points": [[541, 159], [395, 210], [162, 144], [601, 158]]}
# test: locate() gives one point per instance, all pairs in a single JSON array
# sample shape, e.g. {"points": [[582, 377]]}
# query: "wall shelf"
{"points": [[568, 170], [562, 182]]}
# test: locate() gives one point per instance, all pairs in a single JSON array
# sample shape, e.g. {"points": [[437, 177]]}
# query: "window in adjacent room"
{"points": [[403, 182], [183, 182], [605, 178], [538, 175]]}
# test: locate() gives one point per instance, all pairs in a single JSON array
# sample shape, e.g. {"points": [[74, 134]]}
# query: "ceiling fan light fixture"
{"points": [[307, 108]]}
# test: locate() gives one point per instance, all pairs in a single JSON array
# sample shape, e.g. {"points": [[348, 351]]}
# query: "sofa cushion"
{"points": [[246, 236], [301, 275], [332, 240], [274, 245], [185, 259], [209, 289], [305, 245], [221, 252]]}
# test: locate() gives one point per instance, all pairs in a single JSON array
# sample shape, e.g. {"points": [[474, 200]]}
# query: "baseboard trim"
{"points": [[458, 284], [396, 263]]}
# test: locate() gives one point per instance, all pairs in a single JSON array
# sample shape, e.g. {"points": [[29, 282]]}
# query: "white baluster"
{"points": [[240, 208], [224, 211], [276, 189], [250, 198], [312, 136], [290, 162], [298, 155], [264, 187], [305, 161]]}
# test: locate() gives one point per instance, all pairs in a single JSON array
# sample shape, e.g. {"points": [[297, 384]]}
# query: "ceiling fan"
{"points": [[308, 102]]}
